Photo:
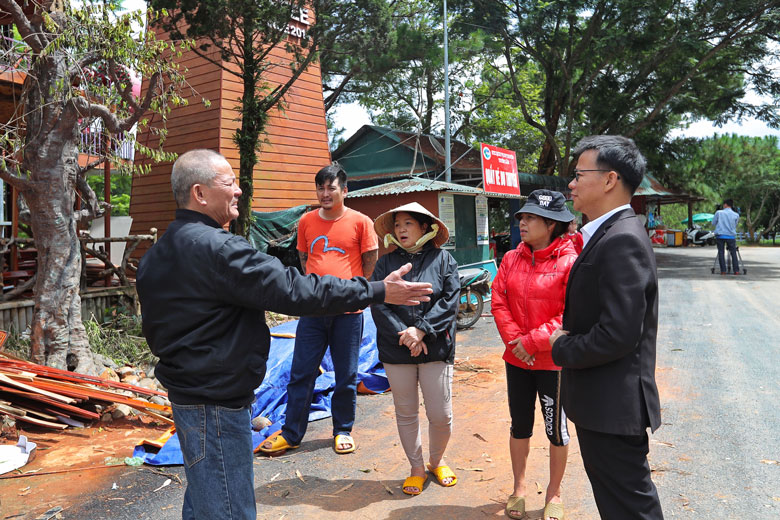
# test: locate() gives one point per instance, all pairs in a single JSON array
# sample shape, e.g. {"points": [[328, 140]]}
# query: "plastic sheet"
{"points": [[271, 396]]}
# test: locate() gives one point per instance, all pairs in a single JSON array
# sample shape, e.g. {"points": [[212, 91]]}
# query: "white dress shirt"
{"points": [[592, 226]]}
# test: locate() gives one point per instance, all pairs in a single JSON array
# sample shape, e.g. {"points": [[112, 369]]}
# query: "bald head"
{"points": [[193, 167]]}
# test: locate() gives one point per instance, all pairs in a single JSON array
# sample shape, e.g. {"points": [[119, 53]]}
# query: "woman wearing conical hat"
{"points": [[417, 344]]}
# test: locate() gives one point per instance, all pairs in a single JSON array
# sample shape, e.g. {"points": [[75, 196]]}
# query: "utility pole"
{"points": [[447, 165]]}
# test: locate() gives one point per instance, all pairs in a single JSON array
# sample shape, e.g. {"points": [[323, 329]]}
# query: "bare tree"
{"points": [[59, 52]]}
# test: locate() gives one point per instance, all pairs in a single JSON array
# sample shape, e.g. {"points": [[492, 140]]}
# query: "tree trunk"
{"points": [[247, 137], [58, 337]]}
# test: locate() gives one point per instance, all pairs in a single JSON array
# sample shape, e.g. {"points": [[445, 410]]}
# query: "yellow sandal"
{"points": [[343, 439], [279, 445], [443, 472], [413, 482]]}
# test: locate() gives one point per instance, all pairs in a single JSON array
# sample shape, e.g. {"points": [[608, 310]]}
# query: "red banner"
{"points": [[499, 170]]}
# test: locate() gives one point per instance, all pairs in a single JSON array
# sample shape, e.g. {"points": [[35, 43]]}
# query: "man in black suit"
{"points": [[607, 345]]}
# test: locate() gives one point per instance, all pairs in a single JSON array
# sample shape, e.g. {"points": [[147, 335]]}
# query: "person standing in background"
{"points": [[417, 345], [607, 344], [725, 224], [338, 241], [527, 304]]}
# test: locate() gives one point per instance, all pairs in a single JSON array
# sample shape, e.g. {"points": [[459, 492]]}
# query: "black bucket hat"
{"points": [[548, 204]]}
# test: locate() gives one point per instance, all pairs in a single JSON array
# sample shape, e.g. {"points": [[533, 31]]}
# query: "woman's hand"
{"points": [[520, 352], [410, 336], [413, 339], [418, 348]]}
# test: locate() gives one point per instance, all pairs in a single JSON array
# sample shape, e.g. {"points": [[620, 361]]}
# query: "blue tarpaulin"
{"points": [[271, 396]]}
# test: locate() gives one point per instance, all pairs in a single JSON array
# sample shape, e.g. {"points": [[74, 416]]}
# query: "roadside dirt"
{"points": [[79, 458], [364, 485]]}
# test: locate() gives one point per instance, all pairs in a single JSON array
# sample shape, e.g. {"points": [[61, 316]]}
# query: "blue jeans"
{"points": [[731, 244], [343, 333], [216, 443]]}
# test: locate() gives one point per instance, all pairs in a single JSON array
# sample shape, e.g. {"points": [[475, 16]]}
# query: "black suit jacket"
{"points": [[611, 314]]}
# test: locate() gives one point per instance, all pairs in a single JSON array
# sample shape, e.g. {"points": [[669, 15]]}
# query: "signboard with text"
{"points": [[499, 170], [447, 216]]}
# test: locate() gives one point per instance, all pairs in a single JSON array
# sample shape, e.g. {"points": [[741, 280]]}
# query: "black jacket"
{"points": [[436, 318], [608, 359], [203, 294]]}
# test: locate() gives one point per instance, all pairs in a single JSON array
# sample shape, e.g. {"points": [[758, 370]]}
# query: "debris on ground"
{"points": [[15, 456], [56, 399]]}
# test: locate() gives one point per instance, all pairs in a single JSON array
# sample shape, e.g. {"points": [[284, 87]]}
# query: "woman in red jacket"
{"points": [[527, 303]]}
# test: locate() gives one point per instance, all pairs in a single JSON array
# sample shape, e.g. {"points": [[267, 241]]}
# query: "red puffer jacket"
{"points": [[527, 299]]}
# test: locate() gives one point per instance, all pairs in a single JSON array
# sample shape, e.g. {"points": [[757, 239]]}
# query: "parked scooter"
{"points": [[700, 237], [474, 287]]}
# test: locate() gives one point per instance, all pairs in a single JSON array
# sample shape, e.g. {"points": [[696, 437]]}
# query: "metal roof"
{"points": [[654, 190], [416, 184]]}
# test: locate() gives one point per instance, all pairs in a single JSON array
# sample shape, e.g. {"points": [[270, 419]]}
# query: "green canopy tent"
{"points": [[700, 217]]}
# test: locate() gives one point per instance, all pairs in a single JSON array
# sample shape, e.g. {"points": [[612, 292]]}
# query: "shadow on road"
{"points": [[350, 495], [697, 263], [456, 512], [344, 495]]}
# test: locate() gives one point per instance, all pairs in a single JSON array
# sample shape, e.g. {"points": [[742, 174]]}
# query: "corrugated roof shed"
{"points": [[412, 185]]}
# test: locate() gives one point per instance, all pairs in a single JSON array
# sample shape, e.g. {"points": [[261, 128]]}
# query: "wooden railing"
{"points": [[89, 248]]}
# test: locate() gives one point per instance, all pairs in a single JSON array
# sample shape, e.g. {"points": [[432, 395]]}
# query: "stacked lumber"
{"points": [[53, 398]]}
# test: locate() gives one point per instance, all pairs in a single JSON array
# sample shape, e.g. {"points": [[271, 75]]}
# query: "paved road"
{"points": [[714, 457], [719, 367]]}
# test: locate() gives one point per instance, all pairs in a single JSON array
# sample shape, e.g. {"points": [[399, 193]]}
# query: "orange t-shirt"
{"points": [[335, 247]]}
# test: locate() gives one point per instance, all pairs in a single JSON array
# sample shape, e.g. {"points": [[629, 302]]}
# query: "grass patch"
{"points": [[119, 339], [17, 345]]}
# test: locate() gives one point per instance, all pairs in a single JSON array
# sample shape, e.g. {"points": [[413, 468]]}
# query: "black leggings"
{"points": [[522, 387]]}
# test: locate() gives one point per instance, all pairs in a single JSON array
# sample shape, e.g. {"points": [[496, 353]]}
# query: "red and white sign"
{"points": [[499, 170]]}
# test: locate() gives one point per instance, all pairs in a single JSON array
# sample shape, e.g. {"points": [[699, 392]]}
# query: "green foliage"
{"points": [[499, 121], [403, 87], [360, 43], [94, 48], [120, 192], [119, 338], [247, 36], [625, 67], [746, 169]]}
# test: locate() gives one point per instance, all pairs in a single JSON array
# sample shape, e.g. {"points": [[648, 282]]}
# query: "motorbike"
{"points": [[474, 287], [700, 237]]}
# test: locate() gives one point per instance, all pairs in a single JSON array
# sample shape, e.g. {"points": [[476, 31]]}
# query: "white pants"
{"points": [[435, 380]]}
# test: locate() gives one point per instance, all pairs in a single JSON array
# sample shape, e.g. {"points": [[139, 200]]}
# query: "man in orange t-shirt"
{"points": [[339, 241]]}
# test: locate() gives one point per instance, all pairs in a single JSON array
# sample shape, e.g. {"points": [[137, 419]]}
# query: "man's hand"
{"points": [[557, 333], [521, 353], [400, 292]]}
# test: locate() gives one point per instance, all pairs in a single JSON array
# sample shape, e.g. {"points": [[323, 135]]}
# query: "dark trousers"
{"points": [[731, 244], [314, 334], [619, 474], [216, 443]]}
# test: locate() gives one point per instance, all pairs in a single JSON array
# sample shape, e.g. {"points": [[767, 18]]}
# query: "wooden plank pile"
{"points": [[53, 398]]}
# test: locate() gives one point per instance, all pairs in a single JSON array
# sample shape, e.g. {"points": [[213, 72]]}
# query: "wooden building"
{"points": [[295, 148]]}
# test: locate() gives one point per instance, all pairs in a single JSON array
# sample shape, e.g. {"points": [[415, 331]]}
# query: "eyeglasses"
{"points": [[578, 173]]}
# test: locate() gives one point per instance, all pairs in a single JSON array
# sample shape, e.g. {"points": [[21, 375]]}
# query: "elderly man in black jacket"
{"points": [[203, 294], [611, 315]]}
